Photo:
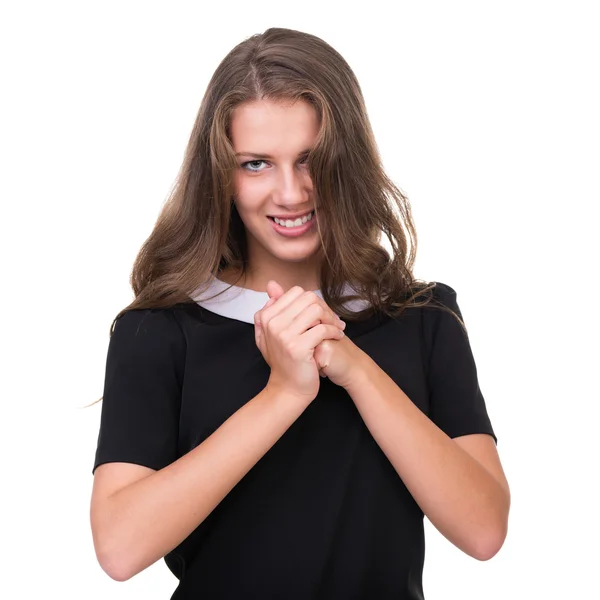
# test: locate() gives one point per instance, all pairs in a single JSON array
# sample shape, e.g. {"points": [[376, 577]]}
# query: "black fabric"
{"points": [[456, 403], [323, 515], [142, 390]]}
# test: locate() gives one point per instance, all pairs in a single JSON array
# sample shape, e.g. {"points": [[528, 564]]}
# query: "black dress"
{"points": [[323, 515]]}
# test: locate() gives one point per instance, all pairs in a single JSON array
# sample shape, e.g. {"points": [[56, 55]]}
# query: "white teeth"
{"points": [[297, 223]]}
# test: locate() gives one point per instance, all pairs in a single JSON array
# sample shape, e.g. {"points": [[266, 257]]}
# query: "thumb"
{"points": [[270, 302], [274, 290], [322, 355]]}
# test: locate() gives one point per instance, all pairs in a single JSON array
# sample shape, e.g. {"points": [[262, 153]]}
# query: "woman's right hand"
{"points": [[287, 331]]}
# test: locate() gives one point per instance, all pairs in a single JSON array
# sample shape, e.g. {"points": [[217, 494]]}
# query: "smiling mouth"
{"points": [[291, 223]]}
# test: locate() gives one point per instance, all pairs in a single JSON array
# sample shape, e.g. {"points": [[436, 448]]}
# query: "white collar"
{"points": [[242, 304]]}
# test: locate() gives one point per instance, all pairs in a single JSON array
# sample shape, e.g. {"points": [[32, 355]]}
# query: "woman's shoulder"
{"points": [[437, 301], [146, 323], [442, 311], [444, 293], [431, 294], [147, 338]]}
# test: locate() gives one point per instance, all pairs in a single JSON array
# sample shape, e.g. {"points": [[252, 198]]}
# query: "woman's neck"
{"points": [[257, 280]]}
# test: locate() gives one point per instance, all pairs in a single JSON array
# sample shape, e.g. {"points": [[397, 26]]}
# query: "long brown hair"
{"points": [[199, 232]]}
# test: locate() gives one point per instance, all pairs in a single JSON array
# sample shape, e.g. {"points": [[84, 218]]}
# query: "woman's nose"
{"points": [[292, 186]]}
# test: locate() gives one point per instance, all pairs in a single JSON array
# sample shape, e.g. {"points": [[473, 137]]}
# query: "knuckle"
{"points": [[325, 350], [322, 329], [318, 310], [290, 347]]}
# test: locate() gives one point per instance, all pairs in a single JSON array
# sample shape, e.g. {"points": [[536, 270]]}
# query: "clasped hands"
{"points": [[301, 339]]}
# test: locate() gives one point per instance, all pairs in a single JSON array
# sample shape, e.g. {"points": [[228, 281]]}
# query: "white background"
{"points": [[487, 117]]}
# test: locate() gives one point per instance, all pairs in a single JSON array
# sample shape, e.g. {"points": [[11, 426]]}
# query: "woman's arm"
{"points": [[458, 483], [138, 515]]}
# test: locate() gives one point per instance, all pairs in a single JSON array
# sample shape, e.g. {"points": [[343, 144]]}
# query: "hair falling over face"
{"points": [[199, 233]]}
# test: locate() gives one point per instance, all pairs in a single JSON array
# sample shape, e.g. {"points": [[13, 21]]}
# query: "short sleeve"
{"points": [[141, 403], [456, 403]]}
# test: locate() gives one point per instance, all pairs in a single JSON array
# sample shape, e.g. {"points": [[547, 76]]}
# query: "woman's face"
{"points": [[271, 141]]}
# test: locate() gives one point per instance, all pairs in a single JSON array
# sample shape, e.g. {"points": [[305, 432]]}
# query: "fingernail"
{"points": [[342, 323]]}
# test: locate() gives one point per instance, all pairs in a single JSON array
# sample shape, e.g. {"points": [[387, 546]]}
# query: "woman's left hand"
{"points": [[338, 360]]}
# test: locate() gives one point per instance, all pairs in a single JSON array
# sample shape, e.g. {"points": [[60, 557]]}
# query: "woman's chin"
{"points": [[299, 253]]}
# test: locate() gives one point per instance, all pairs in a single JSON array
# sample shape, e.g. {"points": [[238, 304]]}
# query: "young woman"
{"points": [[263, 446]]}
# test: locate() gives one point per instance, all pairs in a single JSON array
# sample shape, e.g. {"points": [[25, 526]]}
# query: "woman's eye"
{"points": [[252, 162], [253, 165]]}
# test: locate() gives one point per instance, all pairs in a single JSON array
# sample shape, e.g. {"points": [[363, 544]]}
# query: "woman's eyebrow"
{"points": [[257, 155]]}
